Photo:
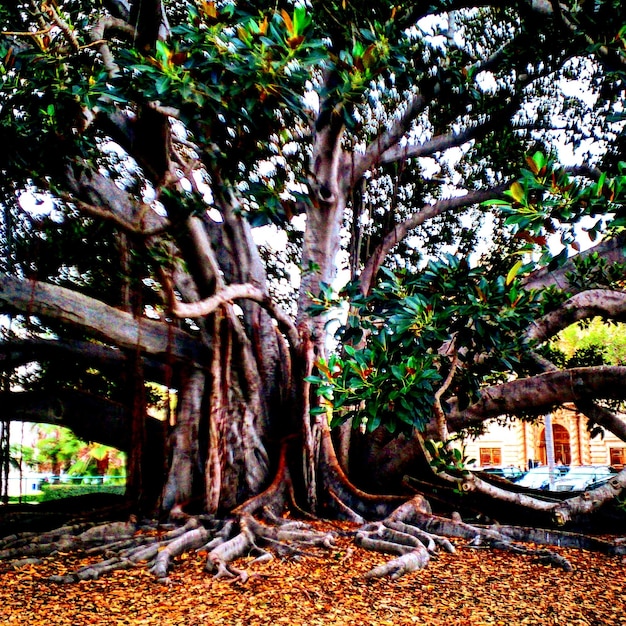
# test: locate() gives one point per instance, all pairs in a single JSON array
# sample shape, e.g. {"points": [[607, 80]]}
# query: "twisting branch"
{"points": [[64, 27], [585, 305], [244, 291], [601, 50], [97, 36], [594, 412], [134, 228], [437, 408], [610, 250], [401, 230], [34, 10], [389, 138], [540, 393]]}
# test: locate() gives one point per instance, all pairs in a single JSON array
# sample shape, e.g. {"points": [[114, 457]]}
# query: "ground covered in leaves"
{"points": [[472, 587]]}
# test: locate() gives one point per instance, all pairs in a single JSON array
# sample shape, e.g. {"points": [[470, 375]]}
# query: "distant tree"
{"points": [[607, 339], [58, 450]]}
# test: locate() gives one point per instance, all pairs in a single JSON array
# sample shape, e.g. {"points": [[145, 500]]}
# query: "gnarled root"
{"points": [[84, 536], [285, 539], [393, 535], [411, 533], [123, 545], [408, 562], [192, 539], [414, 533]]}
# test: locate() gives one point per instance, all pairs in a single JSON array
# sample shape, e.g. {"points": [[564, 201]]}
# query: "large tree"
{"points": [[159, 137]]}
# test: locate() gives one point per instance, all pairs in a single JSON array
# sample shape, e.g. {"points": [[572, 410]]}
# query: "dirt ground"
{"points": [[469, 588]]}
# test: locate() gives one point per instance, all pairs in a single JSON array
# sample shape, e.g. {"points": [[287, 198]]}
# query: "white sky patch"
{"points": [[487, 82], [38, 204]]}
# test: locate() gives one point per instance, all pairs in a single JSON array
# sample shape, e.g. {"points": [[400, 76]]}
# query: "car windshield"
{"points": [[539, 477], [535, 474], [580, 471], [587, 472]]}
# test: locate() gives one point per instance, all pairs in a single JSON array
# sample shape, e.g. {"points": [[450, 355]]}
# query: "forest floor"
{"points": [[470, 588]]}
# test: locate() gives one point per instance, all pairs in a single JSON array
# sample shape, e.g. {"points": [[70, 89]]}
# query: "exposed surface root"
{"points": [[414, 533], [411, 533], [125, 545]]}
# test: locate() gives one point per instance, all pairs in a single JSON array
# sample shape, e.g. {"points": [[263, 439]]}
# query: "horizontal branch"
{"points": [[611, 250], [134, 228], [244, 291], [538, 394], [92, 418], [593, 411], [14, 354], [584, 305], [98, 320], [436, 144]]}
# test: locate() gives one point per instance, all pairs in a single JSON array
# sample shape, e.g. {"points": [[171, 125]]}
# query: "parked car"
{"points": [[510, 472], [584, 477], [539, 477]]}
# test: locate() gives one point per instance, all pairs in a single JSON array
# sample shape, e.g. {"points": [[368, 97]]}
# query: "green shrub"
{"points": [[57, 492]]}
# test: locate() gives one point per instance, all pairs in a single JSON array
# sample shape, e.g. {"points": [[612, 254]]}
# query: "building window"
{"points": [[562, 451], [490, 456], [618, 457]]}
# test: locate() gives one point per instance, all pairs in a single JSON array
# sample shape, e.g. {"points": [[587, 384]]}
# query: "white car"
{"points": [[539, 477], [584, 477]]}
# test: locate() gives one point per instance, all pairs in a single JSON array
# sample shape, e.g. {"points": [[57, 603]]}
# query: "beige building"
{"points": [[517, 443]]}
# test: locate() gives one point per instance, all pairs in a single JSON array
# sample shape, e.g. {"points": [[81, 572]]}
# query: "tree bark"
{"points": [[99, 320]]}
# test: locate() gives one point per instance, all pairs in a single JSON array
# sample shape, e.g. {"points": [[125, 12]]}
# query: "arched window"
{"points": [[562, 450]]}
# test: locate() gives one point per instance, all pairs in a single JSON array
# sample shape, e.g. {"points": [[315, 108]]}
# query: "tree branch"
{"points": [[584, 305], [611, 250], [244, 291], [97, 37], [593, 411], [90, 417], [98, 319], [438, 143], [134, 228], [388, 139], [541, 393], [401, 230], [14, 354]]}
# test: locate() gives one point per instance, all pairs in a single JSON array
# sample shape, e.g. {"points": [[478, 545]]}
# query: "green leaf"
{"points": [[397, 371], [373, 423], [162, 85], [495, 202], [539, 160], [315, 380]]}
